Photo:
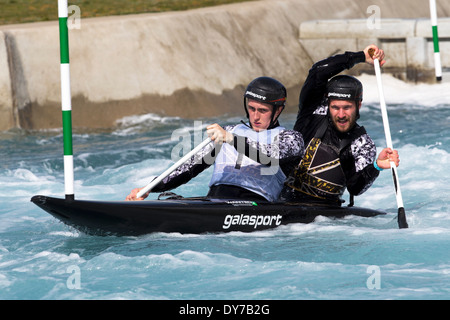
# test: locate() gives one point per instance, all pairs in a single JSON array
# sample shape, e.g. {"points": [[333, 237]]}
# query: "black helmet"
{"points": [[345, 87], [267, 90]]}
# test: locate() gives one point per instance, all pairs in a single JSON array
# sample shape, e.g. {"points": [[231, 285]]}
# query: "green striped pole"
{"points": [[66, 99], [437, 55]]}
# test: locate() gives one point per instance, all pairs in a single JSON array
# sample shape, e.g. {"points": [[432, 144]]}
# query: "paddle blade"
{"points": [[402, 224]]}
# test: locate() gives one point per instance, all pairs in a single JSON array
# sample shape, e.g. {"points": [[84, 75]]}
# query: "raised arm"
{"points": [[313, 89]]}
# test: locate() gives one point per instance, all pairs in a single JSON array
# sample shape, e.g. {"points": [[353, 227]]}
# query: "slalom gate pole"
{"points": [[434, 27], [66, 103]]}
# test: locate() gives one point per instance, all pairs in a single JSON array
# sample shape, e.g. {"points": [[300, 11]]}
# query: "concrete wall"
{"points": [[408, 43], [7, 116], [189, 64]]}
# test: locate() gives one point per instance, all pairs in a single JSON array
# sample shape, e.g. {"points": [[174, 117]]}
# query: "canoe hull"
{"points": [[189, 215]]}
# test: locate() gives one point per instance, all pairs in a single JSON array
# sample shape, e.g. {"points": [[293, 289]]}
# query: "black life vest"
{"points": [[319, 173]]}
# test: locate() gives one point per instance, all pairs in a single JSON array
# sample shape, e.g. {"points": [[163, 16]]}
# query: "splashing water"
{"points": [[350, 258]]}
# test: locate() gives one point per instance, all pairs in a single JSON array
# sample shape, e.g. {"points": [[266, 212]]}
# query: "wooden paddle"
{"points": [[401, 210]]}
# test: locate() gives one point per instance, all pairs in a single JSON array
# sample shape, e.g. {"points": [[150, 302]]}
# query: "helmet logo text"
{"points": [[258, 96], [339, 95]]}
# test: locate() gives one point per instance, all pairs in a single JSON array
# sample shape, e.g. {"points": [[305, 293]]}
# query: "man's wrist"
{"points": [[375, 164], [229, 138]]}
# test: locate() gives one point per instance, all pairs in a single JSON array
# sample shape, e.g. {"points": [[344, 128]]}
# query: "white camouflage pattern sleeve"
{"points": [[288, 143], [364, 152]]}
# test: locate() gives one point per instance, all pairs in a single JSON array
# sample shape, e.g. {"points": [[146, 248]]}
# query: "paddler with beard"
{"points": [[339, 154]]}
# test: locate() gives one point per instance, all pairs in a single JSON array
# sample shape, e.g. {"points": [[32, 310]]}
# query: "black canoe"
{"points": [[186, 215]]}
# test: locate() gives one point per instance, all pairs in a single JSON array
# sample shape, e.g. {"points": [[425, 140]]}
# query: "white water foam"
{"points": [[327, 259], [399, 92]]}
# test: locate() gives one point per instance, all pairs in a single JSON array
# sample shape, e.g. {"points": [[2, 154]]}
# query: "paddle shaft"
{"points": [[175, 166], [398, 194]]}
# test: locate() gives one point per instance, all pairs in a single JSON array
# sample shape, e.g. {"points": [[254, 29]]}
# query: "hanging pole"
{"points": [[434, 27], [66, 103]]}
